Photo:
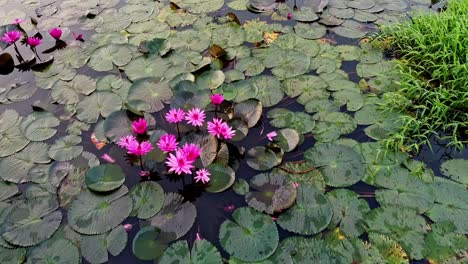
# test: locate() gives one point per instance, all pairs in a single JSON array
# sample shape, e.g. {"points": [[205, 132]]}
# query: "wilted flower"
{"points": [[18, 21], [217, 99], [78, 37], [107, 158], [128, 227], [195, 117], [11, 36], [56, 33], [179, 164], [271, 135], [191, 151], [33, 41], [175, 115], [167, 143], [139, 149], [203, 175], [125, 141], [139, 126], [144, 173]]}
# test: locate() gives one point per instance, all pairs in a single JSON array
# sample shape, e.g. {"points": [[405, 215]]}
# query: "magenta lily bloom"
{"points": [[217, 99], [271, 135], [167, 143], [191, 151], [219, 128], [56, 33], [33, 41], [139, 149], [126, 141], [18, 21], [140, 126], [179, 164], [11, 36], [175, 115], [195, 117], [203, 175]]}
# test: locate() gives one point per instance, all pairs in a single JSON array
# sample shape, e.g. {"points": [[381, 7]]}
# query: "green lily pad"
{"points": [[222, 177], [54, 252], [288, 139], [200, 6], [209, 146], [302, 173], [262, 158], [152, 91], [12, 141], [92, 213], [348, 212], [31, 221], [311, 214], [271, 193], [8, 189], [12, 256], [104, 58], [203, 252], [69, 92], [390, 250], [39, 126], [310, 250], [340, 165], [176, 216], [250, 66], [65, 148], [148, 199], [250, 111], [286, 63], [310, 31], [104, 178], [144, 67], [252, 236], [117, 125], [307, 87], [331, 125], [443, 243], [456, 169], [95, 248], [150, 242], [228, 35], [305, 14], [351, 29], [269, 89], [71, 185], [98, 104], [211, 79], [241, 187], [301, 122]]}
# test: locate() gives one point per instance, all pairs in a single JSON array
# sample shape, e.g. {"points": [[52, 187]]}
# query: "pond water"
{"points": [[335, 141]]}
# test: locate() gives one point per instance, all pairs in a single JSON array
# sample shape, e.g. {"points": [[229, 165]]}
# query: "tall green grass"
{"points": [[432, 53]]}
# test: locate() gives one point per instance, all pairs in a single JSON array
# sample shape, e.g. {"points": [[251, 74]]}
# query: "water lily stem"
{"points": [[216, 111], [37, 55], [178, 132], [141, 163], [19, 54]]}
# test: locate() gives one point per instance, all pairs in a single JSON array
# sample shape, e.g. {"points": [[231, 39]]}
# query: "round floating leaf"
{"points": [[98, 103], [360, 4], [301, 122], [155, 92], [8, 118], [69, 92], [209, 145], [54, 251], [305, 14], [261, 158], [8, 189], [302, 173], [443, 243], [12, 141], [176, 216], [211, 79], [241, 187], [307, 87], [32, 221], [310, 215], [117, 125], [104, 178], [66, 148], [250, 111], [348, 212], [287, 139], [390, 250], [95, 248], [143, 67], [271, 193], [39, 127], [222, 177], [249, 66], [310, 31], [339, 164], [331, 125], [104, 58], [310, 250], [456, 169], [148, 199], [252, 236], [92, 213], [351, 29], [269, 90], [200, 6], [203, 252], [12, 256], [150, 242]]}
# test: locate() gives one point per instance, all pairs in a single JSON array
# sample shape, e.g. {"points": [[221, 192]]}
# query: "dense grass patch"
{"points": [[432, 52]]}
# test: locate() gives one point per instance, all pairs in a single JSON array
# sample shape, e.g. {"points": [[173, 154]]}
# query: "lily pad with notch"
{"points": [[222, 177], [150, 242], [148, 199], [104, 178], [203, 252], [96, 249], [263, 158]]}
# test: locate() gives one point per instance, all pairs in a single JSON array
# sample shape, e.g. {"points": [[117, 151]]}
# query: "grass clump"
{"points": [[432, 53]]}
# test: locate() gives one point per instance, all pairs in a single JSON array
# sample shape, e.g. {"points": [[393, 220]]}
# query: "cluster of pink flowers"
{"points": [[11, 37], [131, 143]]}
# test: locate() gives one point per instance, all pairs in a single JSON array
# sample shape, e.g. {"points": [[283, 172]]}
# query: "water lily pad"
{"points": [[69, 92], [351, 29], [153, 91], [340, 165], [389, 249], [99, 103], [8, 189], [307, 87], [271, 193], [12, 141], [200, 6], [305, 14], [302, 173], [261, 158], [269, 89], [310, 215], [287, 63], [65, 148], [211, 79], [310, 31], [148, 199], [104, 178], [39, 126], [250, 66], [456, 169], [301, 122], [95, 248], [222, 177], [203, 252], [348, 212], [288, 139], [252, 236], [12, 256], [117, 125], [176, 216], [150, 242], [331, 125], [310, 250], [360, 4], [228, 35], [443, 243], [92, 213], [54, 251], [144, 67], [241, 187], [31, 221]]}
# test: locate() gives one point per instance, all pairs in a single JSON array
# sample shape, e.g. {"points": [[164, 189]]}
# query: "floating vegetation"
{"points": [[183, 132]]}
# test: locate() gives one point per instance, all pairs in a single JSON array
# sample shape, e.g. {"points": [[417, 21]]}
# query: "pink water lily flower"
{"points": [[18, 21], [33, 41], [108, 158], [139, 126], [226, 131], [271, 135], [175, 115], [191, 151], [56, 33], [217, 99], [167, 143], [128, 227], [125, 141], [144, 173], [203, 175], [195, 117], [179, 164], [139, 149], [11, 36], [219, 128], [289, 16]]}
